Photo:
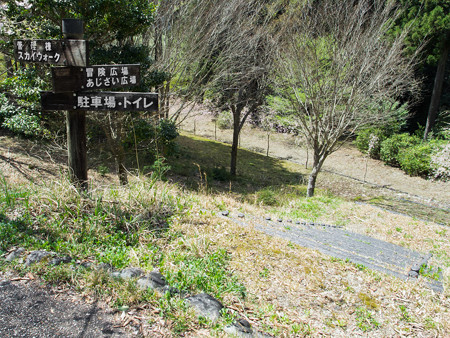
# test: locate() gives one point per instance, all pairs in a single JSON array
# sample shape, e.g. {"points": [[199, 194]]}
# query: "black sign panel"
{"points": [[54, 52], [67, 79], [114, 101]]}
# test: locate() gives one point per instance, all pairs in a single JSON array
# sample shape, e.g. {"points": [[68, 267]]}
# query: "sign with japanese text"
{"points": [[95, 77], [114, 101], [53, 52]]}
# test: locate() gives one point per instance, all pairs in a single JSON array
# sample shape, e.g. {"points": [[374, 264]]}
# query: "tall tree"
{"points": [[337, 64], [237, 60], [428, 24]]}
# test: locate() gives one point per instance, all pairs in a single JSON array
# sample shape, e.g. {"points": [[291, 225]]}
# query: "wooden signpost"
{"points": [[53, 52], [74, 86], [71, 79], [92, 101]]}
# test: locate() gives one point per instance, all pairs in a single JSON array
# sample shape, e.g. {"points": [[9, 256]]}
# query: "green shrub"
{"points": [[20, 109], [369, 140], [416, 160], [225, 120], [390, 148]]}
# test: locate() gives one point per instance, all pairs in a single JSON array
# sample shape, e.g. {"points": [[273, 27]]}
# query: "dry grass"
{"points": [[293, 287]]}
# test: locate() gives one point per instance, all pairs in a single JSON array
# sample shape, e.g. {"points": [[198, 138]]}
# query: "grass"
{"points": [[172, 226]]}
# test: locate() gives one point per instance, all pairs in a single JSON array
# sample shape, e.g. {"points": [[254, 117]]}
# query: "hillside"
{"points": [[175, 226]]}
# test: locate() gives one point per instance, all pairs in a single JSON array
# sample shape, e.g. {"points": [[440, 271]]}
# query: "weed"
{"points": [[360, 267], [264, 273], [430, 324], [442, 232], [302, 328], [176, 310], [103, 170], [430, 272], [365, 320], [11, 196], [267, 197], [404, 313], [398, 229], [208, 273]]}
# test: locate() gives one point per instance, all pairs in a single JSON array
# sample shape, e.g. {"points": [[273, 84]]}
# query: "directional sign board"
{"points": [[113, 101], [54, 52], [68, 79]]}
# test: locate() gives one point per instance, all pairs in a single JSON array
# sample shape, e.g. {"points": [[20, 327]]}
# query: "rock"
{"points": [[87, 265], [297, 222], [206, 306], [413, 274], [173, 291], [37, 256], [241, 215], [289, 221], [14, 254], [154, 280], [416, 267], [116, 274], [280, 220], [225, 213], [104, 267], [268, 218], [240, 328], [128, 273], [58, 260]]}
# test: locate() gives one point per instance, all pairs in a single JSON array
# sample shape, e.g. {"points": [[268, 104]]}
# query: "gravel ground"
{"points": [[30, 310]]}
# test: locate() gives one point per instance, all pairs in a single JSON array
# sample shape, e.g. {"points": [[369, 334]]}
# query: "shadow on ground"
{"points": [[203, 163]]}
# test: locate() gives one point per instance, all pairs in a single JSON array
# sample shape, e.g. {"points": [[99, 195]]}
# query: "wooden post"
{"points": [[215, 130], [76, 148], [268, 144], [76, 123]]}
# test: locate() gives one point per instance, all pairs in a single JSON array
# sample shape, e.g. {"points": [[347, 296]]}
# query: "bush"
{"points": [[20, 104], [416, 160], [390, 148], [225, 120], [369, 141]]}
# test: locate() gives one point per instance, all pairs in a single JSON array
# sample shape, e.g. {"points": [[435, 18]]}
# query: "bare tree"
{"points": [[337, 64], [242, 52], [215, 47], [180, 39]]}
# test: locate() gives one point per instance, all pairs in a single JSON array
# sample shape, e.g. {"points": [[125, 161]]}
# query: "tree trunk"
{"points": [[9, 66], [437, 89], [114, 135], [234, 145], [317, 166]]}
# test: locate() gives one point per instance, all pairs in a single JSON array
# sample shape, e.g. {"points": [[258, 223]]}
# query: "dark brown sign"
{"points": [[66, 79], [53, 52], [114, 101]]}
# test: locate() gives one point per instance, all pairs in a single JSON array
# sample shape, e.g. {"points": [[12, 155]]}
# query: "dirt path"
{"points": [[355, 174], [30, 310]]}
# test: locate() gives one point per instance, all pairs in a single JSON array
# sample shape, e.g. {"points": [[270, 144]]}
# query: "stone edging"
{"points": [[203, 304]]}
